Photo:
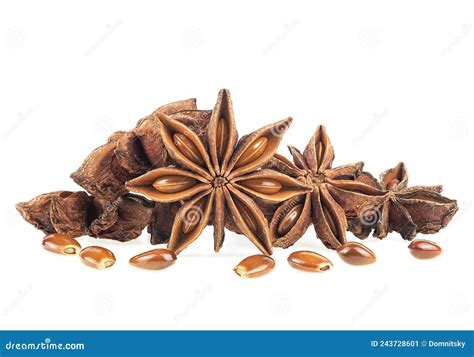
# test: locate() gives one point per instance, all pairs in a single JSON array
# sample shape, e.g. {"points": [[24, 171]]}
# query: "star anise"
{"points": [[215, 180], [314, 166], [408, 211]]}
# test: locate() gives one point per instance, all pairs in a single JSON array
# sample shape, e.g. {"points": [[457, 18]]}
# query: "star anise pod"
{"points": [[215, 180], [408, 211], [128, 154], [314, 166]]}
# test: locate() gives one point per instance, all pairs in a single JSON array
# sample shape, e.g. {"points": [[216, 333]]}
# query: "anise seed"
{"points": [[97, 257], [289, 220], [309, 261], [173, 184], [255, 265], [424, 249], [247, 216], [155, 259], [355, 253], [222, 133], [61, 244], [253, 152], [263, 185], [187, 148]]}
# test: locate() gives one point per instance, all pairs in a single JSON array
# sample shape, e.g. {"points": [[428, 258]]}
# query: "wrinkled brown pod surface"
{"points": [[254, 266], [155, 259], [424, 249], [61, 244], [97, 257], [356, 254], [309, 261]]}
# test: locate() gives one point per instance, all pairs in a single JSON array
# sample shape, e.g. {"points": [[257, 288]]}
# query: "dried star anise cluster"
{"points": [[181, 169]]}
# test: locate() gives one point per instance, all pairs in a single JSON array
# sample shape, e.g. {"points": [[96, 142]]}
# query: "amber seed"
{"points": [[155, 259], [263, 185], [355, 253], [247, 216], [309, 261], [289, 220], [173, 184], [187, 148], [61, 244], [222, 133], [255, 265], [253, 152], [424, 249], [97, 257]]}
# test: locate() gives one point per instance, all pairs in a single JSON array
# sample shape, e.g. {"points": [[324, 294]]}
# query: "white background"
{"points": [[391, 82]]}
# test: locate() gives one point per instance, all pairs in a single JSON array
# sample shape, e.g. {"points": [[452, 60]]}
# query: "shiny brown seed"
{"points": [[155, 259], [222, 133], [356, 254], [309, 261], [187, 148], [97, 257], [247, 216], [61, 244], [289, 220], [424, 249], [253, 152], [255, 265], [263, 185], [173, 184]]}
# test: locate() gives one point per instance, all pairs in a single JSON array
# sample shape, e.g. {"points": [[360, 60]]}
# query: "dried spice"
{"points": [[129, 154], [408, 211], [216, 179], [58, 212], [314, 167], [77, 214]]}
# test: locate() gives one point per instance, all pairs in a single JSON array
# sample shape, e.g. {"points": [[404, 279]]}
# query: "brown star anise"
{"points": [[314, 166], [408, 211], [214, 179]]}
